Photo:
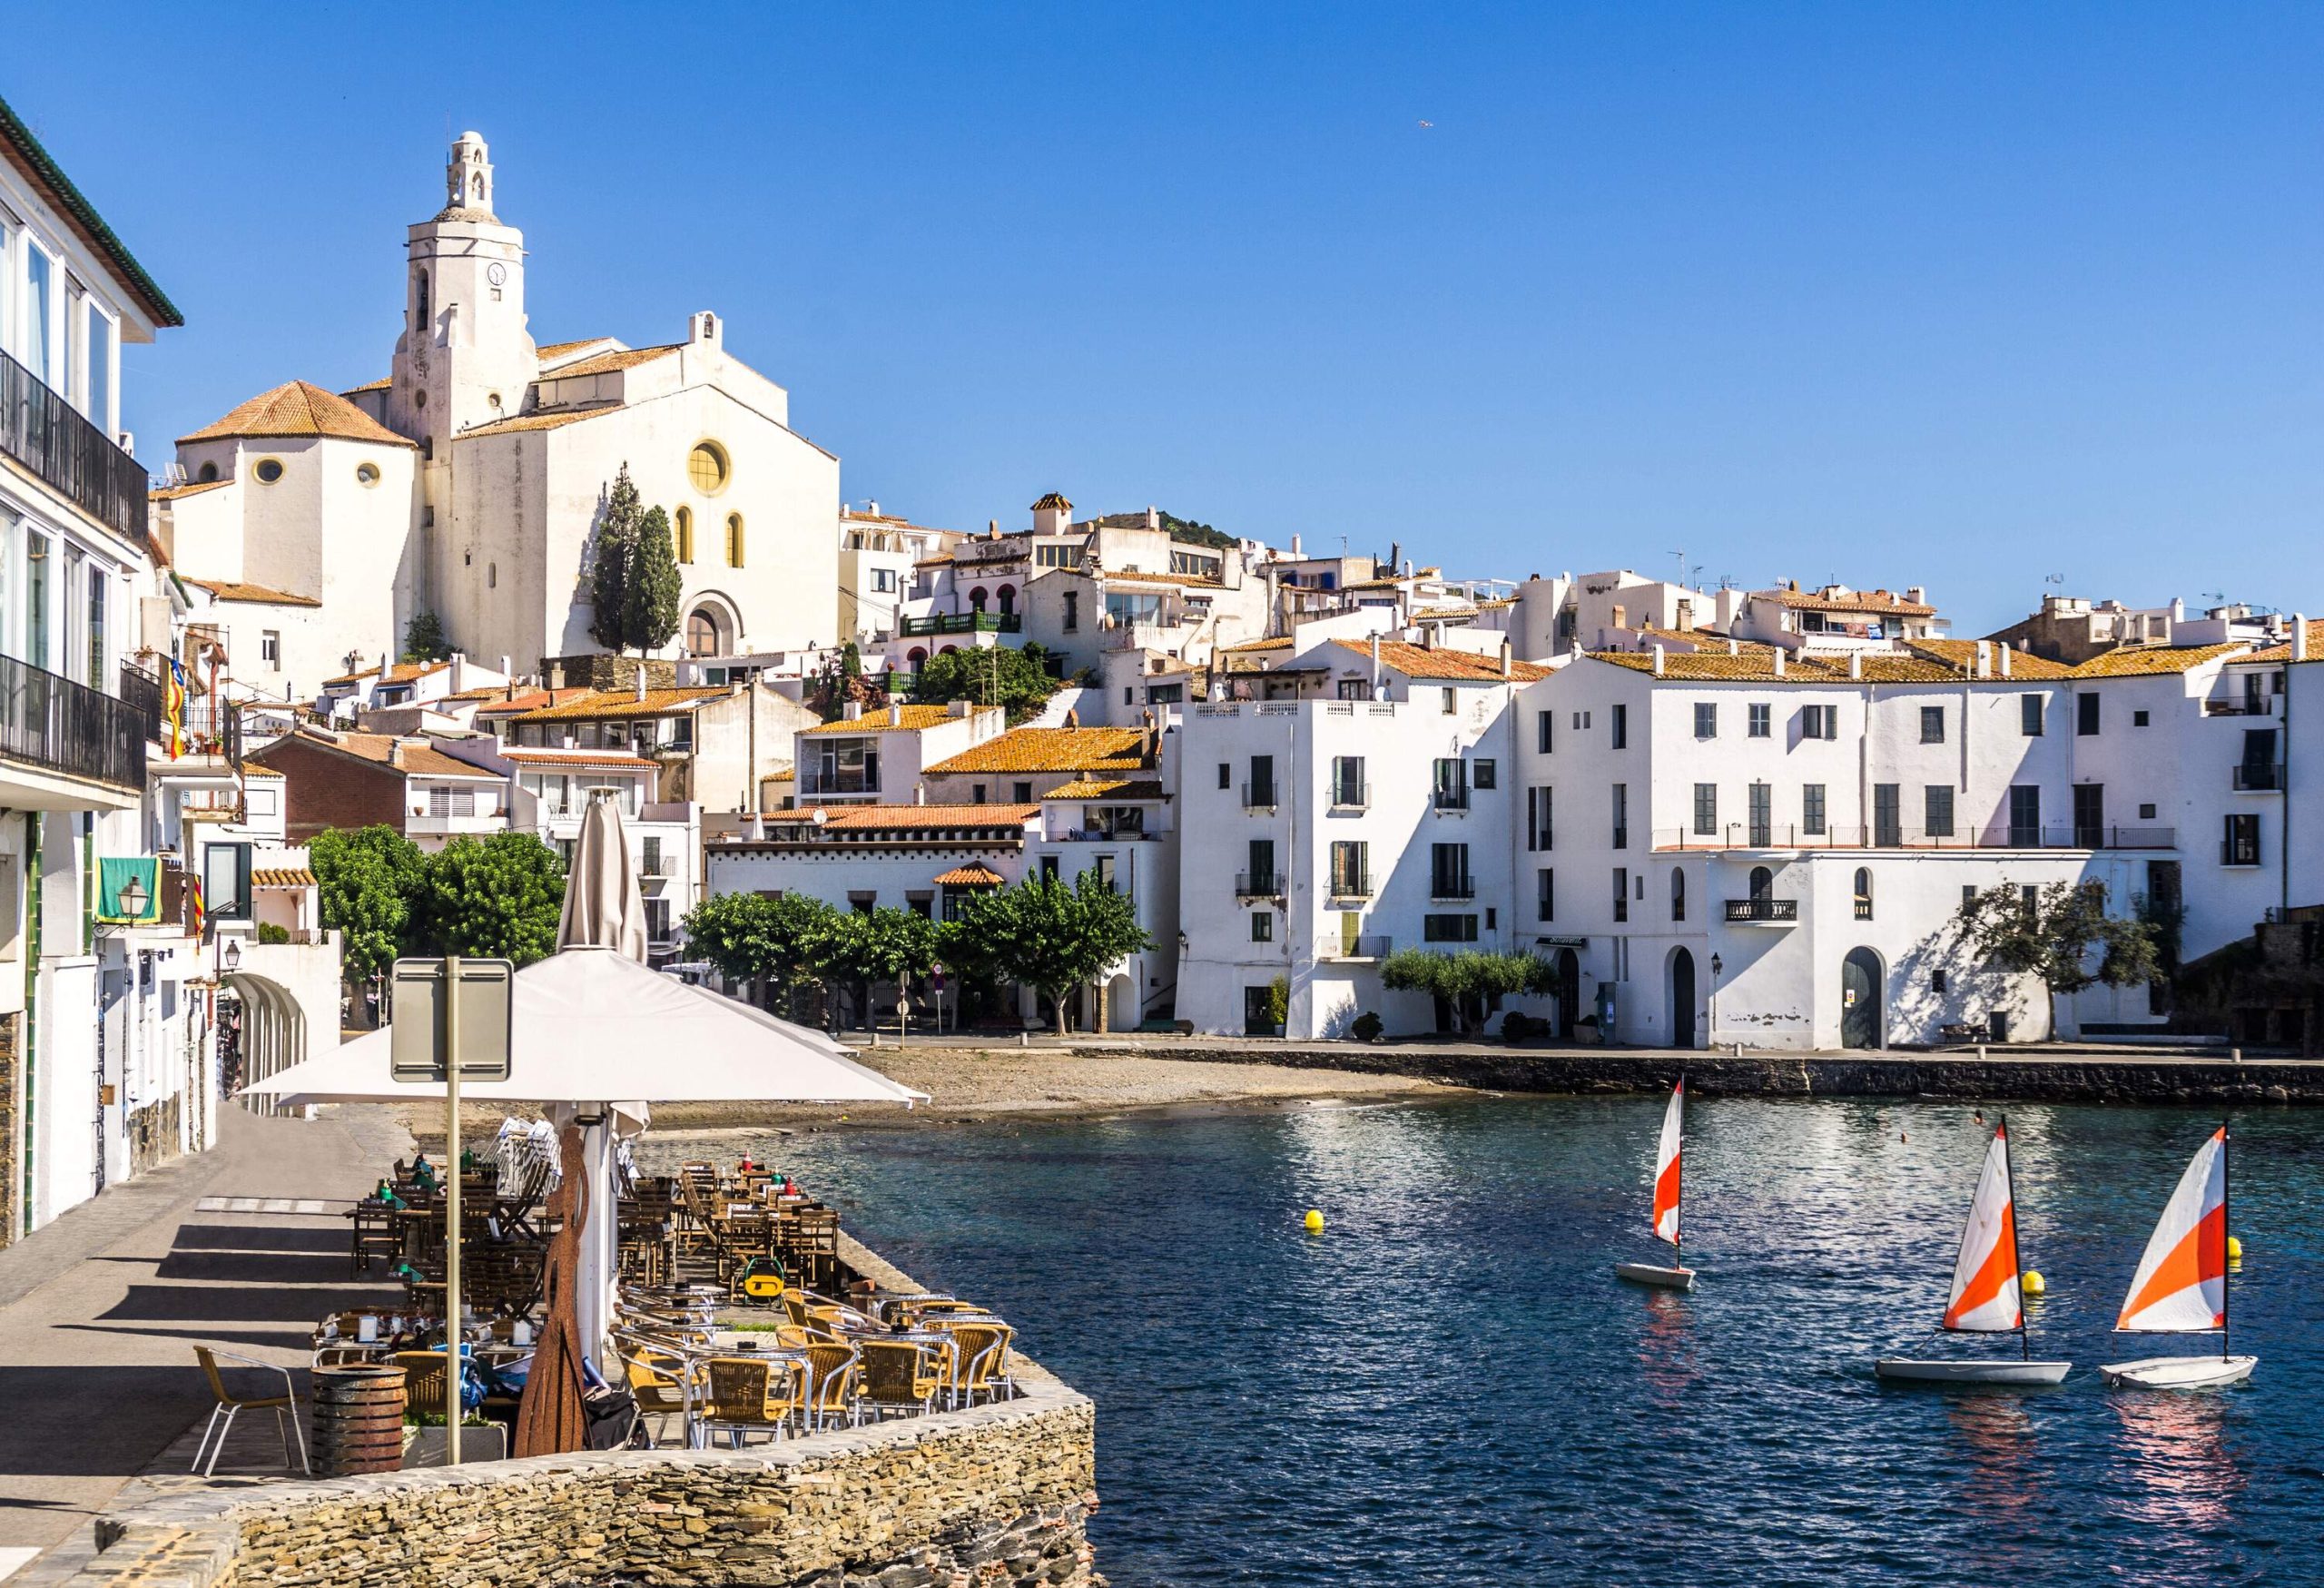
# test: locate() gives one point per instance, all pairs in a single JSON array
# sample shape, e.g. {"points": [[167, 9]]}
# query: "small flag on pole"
{"points": [[194, 893], [173, 710]]}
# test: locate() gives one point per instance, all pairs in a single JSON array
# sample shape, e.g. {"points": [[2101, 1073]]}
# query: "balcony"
{"points": [[68, 728], [2234, 854], [962, 622], [2260, 777], [1257, 885], [1370, 945], [1451, 889], [1350, 796], [820, 784], [2238, 705], [52, 439], [1998, 835], [1258, 796], [1449, 799], [1351, 886], [1762, 911]]}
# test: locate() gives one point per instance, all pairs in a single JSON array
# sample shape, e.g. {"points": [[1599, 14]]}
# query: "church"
{"points": [[468, 483]]}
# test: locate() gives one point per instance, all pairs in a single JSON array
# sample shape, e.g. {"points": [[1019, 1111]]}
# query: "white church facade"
{"points": [[468, 482]]}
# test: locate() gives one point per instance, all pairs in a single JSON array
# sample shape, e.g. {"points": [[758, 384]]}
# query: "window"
{"points": [[1619, 726], [1968, 899], [884, 581], [1819, 722], [1355, 689], [269, 647], [684, 536], [1581, 719], [1021, 792], [1226, 774], [1049, 868], [1351, 869], [2086, 716], [734, 540], [1761, 813], [1483, 772], [1347, 782], [268, 470], [2025, 812], [1621, 893], [1544, 731], [2138, 719], [1452, 702], [1104, 866], [1705, 720], [38, 336], [1762, 885], [2029, 715], [1452, 784], [1759, 721], [208, 472], [707, 467], [1545, 895], [2146, 812], [1888, 816], [1449, 929], [1072, 611], [96, 628], [1129, 695], [1259, 856], [1705, 810], [1931, 725], [1261, 926], [1448, 872], [1936, 981], [1678, 894], [1936, 810], [1622, 800], [1811, 810], [976, 794], [1864, 892], [1165, 695], [702, 635], [2089, 815], [2240, 846], [99, 370], [1260, 794], [36, 563], [1537, 819]]}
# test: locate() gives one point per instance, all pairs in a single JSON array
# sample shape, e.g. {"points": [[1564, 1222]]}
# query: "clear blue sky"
{"points": [[1960, 296]]}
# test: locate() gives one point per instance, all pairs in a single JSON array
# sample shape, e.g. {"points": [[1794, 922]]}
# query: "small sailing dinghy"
{"points": [[1985, 1298], [1666, 1202], [2180, 1287]]}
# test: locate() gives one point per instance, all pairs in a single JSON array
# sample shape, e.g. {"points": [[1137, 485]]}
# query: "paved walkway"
{"points": [[100, 1311]]}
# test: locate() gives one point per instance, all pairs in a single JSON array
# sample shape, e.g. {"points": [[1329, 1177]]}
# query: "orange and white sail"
{"points": [[1984, 1276], [2182, 1283], [1666, 1166]]}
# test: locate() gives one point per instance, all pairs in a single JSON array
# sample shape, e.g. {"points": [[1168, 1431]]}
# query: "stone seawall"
{"points": [[2037, 1077]]}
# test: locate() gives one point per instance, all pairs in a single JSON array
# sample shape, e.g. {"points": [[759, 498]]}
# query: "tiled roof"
{"points": [[1857, 601], [1107, 788], [598, 704], [2283, 653], [1444, 664], [504, 704], [171, 493], [916, 718], [1443, 613], [299, 409], [884, 818], [1053, 750], [248, 771], [560, 349], [224, 590], [297, 877], [607, 362], [931, 562], [531, 757], [1757, 664], [536, 421], [16, 139], [381, 384], [2140, 661], [1279, 643], [975, 875], [1125, 576], [400, 672], [421, 760], [1055, 499], [1961, 656]]}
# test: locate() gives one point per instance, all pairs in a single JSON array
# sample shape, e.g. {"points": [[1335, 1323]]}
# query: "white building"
{"points": [[877, 553]]}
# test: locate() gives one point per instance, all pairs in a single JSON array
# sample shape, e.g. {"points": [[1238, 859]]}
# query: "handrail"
{"points": [[58, 443]]}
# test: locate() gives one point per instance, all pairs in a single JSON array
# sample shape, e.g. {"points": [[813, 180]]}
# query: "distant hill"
{"points": [[1185, 529]]}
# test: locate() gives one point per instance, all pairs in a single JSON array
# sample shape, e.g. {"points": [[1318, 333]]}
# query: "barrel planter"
{"points": [[359, 1419]]}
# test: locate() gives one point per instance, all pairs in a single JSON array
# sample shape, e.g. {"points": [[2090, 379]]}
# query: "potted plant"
{"points": [[1278, 1004], [1365, 1027]]}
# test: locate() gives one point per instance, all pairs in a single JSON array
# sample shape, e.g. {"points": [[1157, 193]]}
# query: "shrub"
{"points": [[268, 931], [1517, 1026], [1365, 1027], [1278, 1002]]}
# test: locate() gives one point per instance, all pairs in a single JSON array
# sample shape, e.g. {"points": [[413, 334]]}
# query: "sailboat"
{"points": [[2180, 1287], [1985, 1298], [1667, 1178]]}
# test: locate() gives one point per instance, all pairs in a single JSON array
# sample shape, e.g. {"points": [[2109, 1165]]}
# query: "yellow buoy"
{"points": [[1314, 1221], [2031, 1283], [2234, 1249]]}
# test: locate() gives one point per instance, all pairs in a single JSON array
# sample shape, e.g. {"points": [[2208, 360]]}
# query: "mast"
{"points": [[2016, 1267], [1678, 1243], [2227, 1232]]}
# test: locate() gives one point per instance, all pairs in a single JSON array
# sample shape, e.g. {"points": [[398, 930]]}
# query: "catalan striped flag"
{"points": [[193, 896], [173, 710]]}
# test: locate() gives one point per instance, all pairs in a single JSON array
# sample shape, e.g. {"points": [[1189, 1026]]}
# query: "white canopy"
{"points": [[591, 1026]]}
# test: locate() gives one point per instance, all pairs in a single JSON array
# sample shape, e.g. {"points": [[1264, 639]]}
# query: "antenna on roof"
{"points": [[2054, 578]]}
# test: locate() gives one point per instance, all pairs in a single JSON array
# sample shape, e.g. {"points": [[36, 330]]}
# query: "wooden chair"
{"points": [[743, 1394], [903, 1376], [228, 1406], [371, 1232], [425, 1383]]}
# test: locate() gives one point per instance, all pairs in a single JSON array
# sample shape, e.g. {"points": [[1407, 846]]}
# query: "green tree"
{"points": [[497, 897], [612, 549], [1045, 935], [367, 880], [1470, 980], [2054, 934], [424, 640], [866, 949], [781, 942], [655, 586], [1000, 676]]}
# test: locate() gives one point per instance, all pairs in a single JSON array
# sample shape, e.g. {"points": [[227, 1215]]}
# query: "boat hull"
{"points": [[1963, 1370], [1651, 1274], [2178, 1372]]}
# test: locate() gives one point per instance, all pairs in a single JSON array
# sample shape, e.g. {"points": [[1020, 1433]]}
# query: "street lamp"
{"points": [[231, 955], [133, 898], [1717, 965]]}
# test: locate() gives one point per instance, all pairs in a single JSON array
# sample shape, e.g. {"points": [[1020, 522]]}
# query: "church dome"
{"points": [[296, 409]]}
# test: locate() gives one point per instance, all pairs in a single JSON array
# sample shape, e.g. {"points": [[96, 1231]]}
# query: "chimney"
{"points": [[1658, 661], [919, 794], [641, 678], [384, 673], [872, 506], [1505, 668], [992, 529], [2005, 654], [2300, 636], [895, 714], [1294, 546], [1072, 717], [1408, 569], [1734, 647], [1395, 556], [959, 708], [1855, 665], [1918, 594], [1984, 659], [1780, 655], [552, 674], [852, 711], [460, 672], [505, 673], [1375, 662], [1153, 517], [395, 754]]}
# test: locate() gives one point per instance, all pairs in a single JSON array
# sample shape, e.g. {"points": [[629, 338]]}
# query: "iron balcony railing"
{"points": [[2259, 777], [963, 622], [59, 725], [1258, 796], [1369, 945], [1451, 889], [1354, 795], [1997, 835], [1747, 909], [1258, 886], [1351, 885], [841, 782], [2239, 706], [56, 442]]}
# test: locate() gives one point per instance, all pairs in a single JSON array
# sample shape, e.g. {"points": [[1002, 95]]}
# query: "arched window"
{"points": [[1864, 892], [949, 650], [1763, 882], [702, 633], [977, 598], [421, 301], [686, 535], [1678, 894], [1007, 599], [918, 655], [734, 540], [209, 473]]}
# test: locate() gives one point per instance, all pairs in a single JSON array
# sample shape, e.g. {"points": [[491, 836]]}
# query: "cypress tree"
{"points": [[612, 550], [654, 584]]}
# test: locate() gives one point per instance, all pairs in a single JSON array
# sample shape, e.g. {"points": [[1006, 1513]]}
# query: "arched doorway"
{"points": [[1569, 991], [1860, 1025], [1682, 997], [1007, 599]]}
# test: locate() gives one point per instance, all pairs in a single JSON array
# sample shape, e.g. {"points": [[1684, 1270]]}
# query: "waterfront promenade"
{"points": [[100, 1311]]}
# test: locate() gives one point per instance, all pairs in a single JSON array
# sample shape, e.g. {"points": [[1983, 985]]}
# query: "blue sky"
{"points": [[1949, 295]]}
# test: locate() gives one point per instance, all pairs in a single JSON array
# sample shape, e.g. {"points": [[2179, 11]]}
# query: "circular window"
{"points": [[367, 473], [270, 470], [706, 466]]}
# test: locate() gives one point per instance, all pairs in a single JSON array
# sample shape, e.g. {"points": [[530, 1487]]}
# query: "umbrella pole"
{"points": [[452, 1408]]}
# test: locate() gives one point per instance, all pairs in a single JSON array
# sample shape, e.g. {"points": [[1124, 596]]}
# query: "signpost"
{"points": [[453, 1021]]}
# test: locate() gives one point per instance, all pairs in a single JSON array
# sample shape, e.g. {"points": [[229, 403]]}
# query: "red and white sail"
{"points": [[1666, 1166], [2182, 1283], [1984, 1276]]}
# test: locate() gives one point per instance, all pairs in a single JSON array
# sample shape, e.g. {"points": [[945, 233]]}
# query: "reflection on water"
{"points": [[1450, 1388]]}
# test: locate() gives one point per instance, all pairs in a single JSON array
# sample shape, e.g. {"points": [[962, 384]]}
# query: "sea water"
{"points": [[1448, 1385]]}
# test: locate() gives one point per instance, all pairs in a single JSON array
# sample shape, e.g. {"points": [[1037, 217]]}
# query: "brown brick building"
{"points": [[342, 780]]}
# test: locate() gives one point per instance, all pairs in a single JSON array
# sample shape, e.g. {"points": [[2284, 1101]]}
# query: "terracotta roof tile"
{"points": [[599, 704], [605, 363], [171, 493], [975, 875], [224, 590], [1961, 656], [1856, 601], [297, 877], [299, 409], [536, 421], [2282, 654], [2139, 661], [916, 719], [1053, 750], [1279, 643], [560, 349], [1127, 576], [381, 384], [884, 818], [420, 760], [400, 672], [1439, 663], [1055, 499], [16, 139], [1107, 788], [524, 756]]}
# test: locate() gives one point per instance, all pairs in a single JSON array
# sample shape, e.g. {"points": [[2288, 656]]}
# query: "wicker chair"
{"points": [[747, 1394], [425, 1382], [658, 1382], [833, 1377], [903, 1376], [980, 1362]]}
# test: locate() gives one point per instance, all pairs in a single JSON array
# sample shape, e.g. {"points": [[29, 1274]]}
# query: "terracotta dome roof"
{"points": [[299, 408]]}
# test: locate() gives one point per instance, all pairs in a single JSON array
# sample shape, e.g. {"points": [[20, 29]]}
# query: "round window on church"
{"points": [[706, 466], [366, 474], [268, 470]]}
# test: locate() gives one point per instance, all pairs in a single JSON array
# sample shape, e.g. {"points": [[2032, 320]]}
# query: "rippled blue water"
{"points": [[1449, 1385]]}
